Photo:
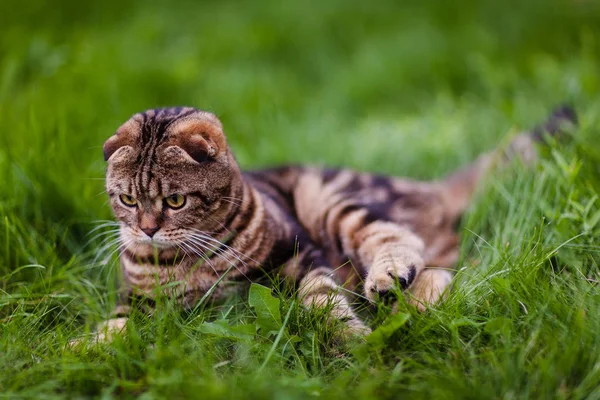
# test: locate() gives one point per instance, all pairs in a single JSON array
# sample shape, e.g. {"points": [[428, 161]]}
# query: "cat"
{"points": [[189, 216]]}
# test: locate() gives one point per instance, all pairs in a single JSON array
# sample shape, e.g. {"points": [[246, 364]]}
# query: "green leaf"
{"points": [[221, 328], [266, 307], [592, 221], [380, 336], [590, 204], [463, 321], [498, 325]]}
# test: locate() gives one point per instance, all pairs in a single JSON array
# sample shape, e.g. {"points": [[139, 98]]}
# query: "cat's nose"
{"points": [[150, 231]]}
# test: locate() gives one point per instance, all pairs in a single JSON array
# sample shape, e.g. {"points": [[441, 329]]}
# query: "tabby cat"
{"points": [[191, 219]]}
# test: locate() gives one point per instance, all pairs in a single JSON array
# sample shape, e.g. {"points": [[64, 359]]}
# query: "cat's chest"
{"points": [[187, 281]]}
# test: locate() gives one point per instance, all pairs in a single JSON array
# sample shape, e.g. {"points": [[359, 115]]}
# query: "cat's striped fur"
{"points": [[302, 222]]}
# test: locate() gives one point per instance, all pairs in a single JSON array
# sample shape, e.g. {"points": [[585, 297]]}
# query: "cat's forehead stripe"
{"points": [[153, 125], [155, 122]]}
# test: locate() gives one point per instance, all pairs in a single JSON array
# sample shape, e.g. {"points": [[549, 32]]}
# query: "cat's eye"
{"points": [[128, 200], [175, 201]]}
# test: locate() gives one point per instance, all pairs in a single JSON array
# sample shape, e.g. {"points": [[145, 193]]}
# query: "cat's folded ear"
{"points": [[124, 137], [201, 139]]}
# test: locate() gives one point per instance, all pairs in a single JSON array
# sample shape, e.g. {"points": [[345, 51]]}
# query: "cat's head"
{"points": [[170, 173]]}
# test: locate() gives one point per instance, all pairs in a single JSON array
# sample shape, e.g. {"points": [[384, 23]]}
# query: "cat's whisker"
{"points": [[104, 221], [202, 255], [110, 244], [229, 262], [186, 251], [184, 231], [204, 248], [120, 249], [232, 198], [220, 224], [231, 202], [181, 247], [106, 259], [222, 244], [112, 241], [109, 233], [107, 243], [218, 245], [104, 225], [219, 253], [100, 194]]}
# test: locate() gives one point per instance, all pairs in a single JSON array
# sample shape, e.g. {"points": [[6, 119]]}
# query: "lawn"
{"points": [[401, 88]]}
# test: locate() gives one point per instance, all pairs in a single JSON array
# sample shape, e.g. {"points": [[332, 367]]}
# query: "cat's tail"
{"points": [[461, 185]]}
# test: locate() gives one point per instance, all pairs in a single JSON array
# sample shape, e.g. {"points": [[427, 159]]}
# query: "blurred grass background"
{"points": [[405, 88]]}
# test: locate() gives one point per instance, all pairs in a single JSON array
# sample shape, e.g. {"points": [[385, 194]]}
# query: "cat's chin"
{"points": [[151, 245], [146, 249]]}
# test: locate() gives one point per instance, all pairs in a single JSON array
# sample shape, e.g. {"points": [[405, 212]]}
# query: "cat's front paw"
{"points": [[392, 270], [355, 327], [105, 332], [430, 287]]}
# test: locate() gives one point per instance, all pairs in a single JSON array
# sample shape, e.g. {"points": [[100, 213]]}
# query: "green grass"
{"points": [[401, 88]]}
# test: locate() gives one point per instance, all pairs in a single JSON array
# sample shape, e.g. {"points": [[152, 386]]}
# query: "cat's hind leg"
{"points": [[461, 185], [457, 192]]}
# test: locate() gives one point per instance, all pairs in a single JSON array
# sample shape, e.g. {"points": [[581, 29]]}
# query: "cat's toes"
{"points": [[354, 328], [430, 288], [105, 332], [348, 331], [387, 275]]}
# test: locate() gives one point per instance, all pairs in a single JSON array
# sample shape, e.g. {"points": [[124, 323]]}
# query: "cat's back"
{"points": [[316, 197], [302, 190]]}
